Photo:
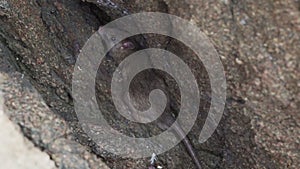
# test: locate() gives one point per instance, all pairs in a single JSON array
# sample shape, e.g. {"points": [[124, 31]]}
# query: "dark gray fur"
{"points": [[119, 53]]}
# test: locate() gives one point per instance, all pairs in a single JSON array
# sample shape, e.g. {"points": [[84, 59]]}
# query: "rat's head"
{"points": [[110, 38]]}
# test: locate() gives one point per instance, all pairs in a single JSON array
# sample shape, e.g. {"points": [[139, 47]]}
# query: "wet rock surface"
{"points": [[257, 42]]}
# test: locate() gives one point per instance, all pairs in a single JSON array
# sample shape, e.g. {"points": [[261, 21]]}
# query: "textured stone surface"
{"points": [[258, 42], [47, 143], [16, 151]]}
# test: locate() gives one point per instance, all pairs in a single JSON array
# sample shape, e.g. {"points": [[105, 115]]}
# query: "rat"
{"points": [[119, 52]]}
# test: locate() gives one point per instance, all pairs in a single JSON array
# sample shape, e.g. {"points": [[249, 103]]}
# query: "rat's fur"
{"points": [[140, 93]]}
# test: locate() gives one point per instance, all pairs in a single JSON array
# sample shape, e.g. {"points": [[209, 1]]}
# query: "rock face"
{"points": [[257, 42], [18, 152]]}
